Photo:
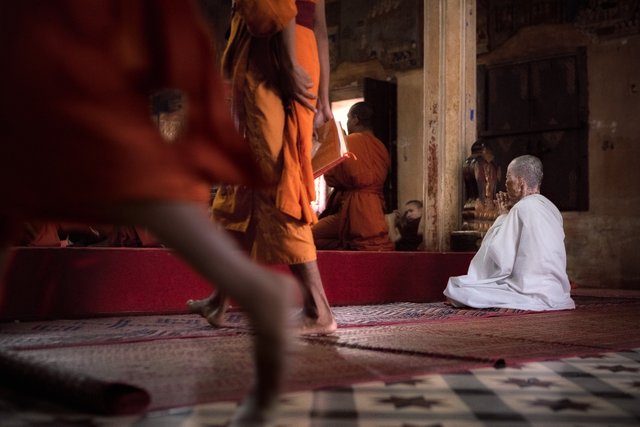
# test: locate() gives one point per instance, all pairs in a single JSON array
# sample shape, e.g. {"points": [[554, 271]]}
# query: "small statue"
{"points": [[481, 177]]}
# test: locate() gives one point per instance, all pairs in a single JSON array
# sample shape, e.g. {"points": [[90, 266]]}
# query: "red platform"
{"points": [[47, 283]]}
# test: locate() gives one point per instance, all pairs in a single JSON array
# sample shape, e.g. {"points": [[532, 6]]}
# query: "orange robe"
{"points": [[39, 234], [75, 117], [274, 223], [358, 221]]}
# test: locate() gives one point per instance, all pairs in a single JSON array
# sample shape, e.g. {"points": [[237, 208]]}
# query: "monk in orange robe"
{"points": [[276, 116], [354, 218], [75, 90]]}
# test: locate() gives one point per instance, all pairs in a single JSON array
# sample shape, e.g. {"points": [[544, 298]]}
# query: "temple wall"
{"points": [[603, 243], [410, 135]]}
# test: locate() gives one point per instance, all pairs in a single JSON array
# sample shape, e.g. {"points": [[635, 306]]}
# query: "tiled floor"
{"points": [[594, 391]]}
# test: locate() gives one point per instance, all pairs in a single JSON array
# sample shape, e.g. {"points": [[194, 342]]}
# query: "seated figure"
{"points": [[405, 230], [521, 263], [354, 217]]}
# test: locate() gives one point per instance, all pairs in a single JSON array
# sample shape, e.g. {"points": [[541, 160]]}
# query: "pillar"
{"points": [[449, 125]]}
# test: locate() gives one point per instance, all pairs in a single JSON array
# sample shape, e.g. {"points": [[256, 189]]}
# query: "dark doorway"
{"points": [[381, 95]]}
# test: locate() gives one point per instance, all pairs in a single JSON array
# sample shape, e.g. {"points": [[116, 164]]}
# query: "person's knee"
{"points": [[326, 228], [325, 233], [327, 244]]}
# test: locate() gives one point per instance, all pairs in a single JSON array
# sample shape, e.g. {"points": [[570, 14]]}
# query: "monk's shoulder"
{"points": [[535, 207]]}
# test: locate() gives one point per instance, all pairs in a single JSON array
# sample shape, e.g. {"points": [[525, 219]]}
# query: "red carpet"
{"points": [[49, 283]]}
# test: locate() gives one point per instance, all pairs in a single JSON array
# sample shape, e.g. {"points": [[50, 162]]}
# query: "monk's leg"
{"points": [[317, 315], [262, 293], [214, 307]]}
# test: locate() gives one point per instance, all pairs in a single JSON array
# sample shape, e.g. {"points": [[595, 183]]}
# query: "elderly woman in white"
{"points": [[522, 260]]}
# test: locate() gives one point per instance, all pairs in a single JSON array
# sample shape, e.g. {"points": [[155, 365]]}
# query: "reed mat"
{"points": [[179, 373], [104, 330], [181, 360], [545, 335]]}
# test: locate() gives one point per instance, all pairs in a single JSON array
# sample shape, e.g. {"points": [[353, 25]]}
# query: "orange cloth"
{"points": [[265, 17], [357, 221], [273, 223], [77, 133], [39, 234], [296, 189]]}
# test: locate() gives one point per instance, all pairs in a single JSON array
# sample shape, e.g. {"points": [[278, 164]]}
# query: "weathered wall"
{"points": [[410, 135], [603, 243]]}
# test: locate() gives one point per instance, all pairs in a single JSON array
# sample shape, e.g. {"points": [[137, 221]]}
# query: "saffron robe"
{"points": [[521, 263], [357, 199], [272, 223], [75, 110]]}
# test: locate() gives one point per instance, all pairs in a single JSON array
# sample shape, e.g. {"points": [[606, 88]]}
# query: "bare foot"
{"points": [[455, 304], [303, 323], [212, 308], [317, 326]]}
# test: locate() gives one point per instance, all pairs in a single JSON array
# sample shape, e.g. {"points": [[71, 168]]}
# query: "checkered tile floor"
{"points": [[593, 391]]}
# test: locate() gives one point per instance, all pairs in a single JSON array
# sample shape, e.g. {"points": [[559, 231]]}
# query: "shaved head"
{"points": [[363, 112], [529, 168]]}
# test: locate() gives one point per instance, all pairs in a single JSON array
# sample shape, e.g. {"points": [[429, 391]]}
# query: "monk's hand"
{"points": [[303, 85], [397, 217], [323, 115]]}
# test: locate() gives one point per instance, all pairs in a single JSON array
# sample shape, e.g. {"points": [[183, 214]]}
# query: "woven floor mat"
{"points": [[56, 333], [105, 330], [543, 336], [185, 372], [178, 370]]}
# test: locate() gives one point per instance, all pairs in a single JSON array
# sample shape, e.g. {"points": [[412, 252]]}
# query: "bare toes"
{"points": [[198, 306]]}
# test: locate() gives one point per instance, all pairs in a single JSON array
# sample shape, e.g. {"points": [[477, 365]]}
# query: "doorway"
{"points": [[382, 96]]}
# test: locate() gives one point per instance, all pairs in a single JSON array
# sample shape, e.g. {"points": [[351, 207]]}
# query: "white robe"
{"points": [[521, 263]]}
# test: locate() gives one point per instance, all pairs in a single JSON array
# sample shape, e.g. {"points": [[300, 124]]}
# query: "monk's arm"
{"points": [[394, 232], [303, 82], [322, 39]]}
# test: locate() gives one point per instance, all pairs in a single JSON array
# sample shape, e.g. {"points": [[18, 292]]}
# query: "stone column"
{"points": [[449, 120]]}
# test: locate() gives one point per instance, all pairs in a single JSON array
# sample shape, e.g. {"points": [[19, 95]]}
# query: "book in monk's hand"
{"points": [[330, 149]]}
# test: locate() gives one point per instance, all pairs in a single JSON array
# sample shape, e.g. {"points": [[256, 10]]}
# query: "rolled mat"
{"points": [[77, 390]]}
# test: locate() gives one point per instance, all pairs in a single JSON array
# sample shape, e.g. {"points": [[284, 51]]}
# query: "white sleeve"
{"points": [[502, 241]]}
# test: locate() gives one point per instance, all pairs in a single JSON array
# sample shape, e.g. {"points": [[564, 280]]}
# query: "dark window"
{"points": [[539, 107]]}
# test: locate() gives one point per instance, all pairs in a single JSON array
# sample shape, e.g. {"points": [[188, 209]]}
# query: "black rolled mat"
{"points": [[80, 391]]}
